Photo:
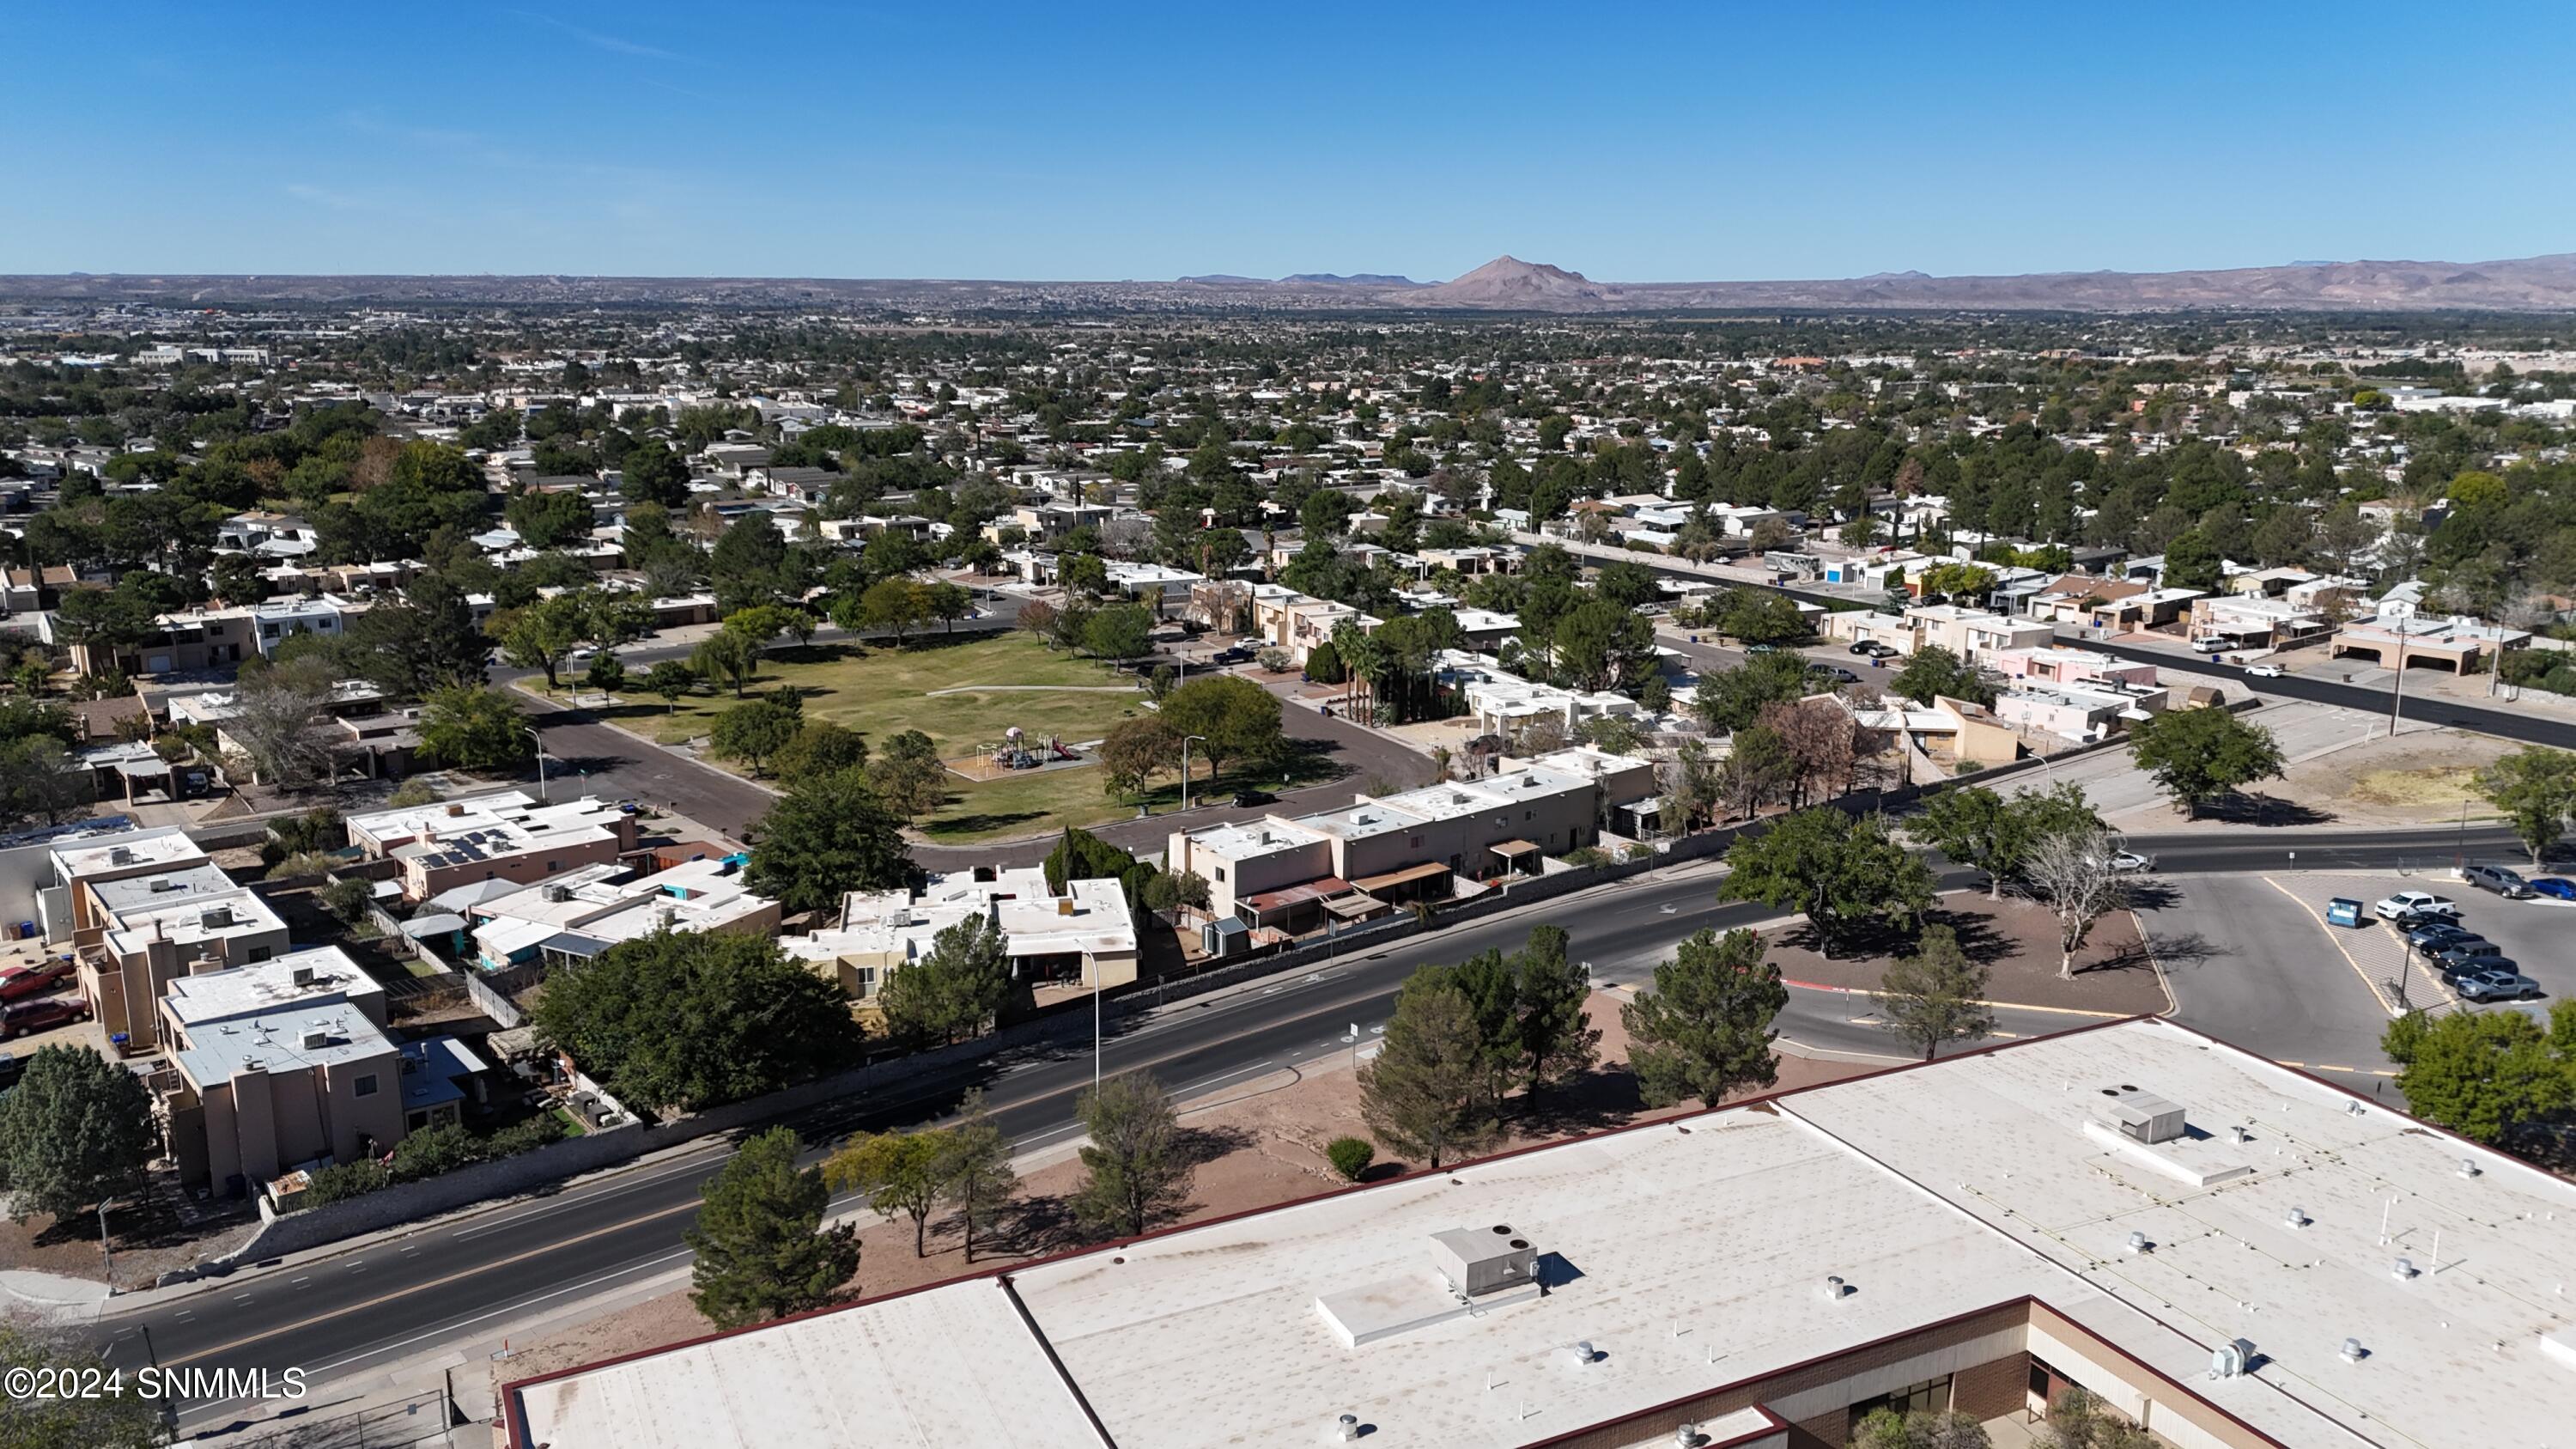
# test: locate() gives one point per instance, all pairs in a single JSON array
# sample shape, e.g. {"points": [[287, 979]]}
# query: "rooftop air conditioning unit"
{"points": [[1481, 1261], [2140, 1115], [216, 918], [304, 975], [314, 1038], [455, 812], [161, 883], [120, 855], [558, 893]]}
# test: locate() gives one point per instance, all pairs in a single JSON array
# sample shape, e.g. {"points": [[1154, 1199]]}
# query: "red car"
{"points": [[19, 981], [42, 1015]]}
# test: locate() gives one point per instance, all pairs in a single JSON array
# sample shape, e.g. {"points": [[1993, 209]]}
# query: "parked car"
{"points": [[2557, 888], [10, 1067], [2421, 901], [18, 981], [1246, 799], [2479, 955], [2417, 920], [585, 651], [2264, 671], [2440, 936], [42, 1014], [1872, 649], [2501, 984], [1837, 674], [2506, 883], [1232, 654]]}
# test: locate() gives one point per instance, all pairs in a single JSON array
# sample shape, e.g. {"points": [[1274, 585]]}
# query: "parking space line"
{"points": [[2376, 994]]}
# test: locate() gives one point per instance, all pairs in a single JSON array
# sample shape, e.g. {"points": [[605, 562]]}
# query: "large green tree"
{"points": [[826, 837], [2536, 789], [976, 1177], [1934, 671], [900, 1172], [1136, 1162], [1935, 995], [1978, 827], [1235, 719], [1731, 699], [76, 1131], [2483, 1074], [762, 1250], [683, 1021], [958, 987], [1705, 1029], [470, 727], [2199, 755], [1428, 1093], [1840, 872]]}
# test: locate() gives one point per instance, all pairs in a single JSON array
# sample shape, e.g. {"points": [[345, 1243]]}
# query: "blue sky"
{"points": [[1687, 142]]}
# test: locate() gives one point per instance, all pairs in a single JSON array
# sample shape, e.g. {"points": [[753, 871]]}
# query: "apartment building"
{"points": [[582, 912], [502, 836], [2077, 712], [1974, 635], [274, 1065], [2252, 621], [201, 639], [134, 951], [1083, 935], [1285, 873], [2055, 664], [2102, 1209]]}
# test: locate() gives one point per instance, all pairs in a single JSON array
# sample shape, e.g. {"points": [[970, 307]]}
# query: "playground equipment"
{"points": [[1018, 752]]}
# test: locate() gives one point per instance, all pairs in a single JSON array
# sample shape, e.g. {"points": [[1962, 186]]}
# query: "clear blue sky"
{"points": [[1691, 142]]}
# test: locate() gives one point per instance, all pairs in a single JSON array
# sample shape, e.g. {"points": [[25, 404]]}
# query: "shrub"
{"points": [[434, 1150], [1274, 659], [344, 1180], [1588, 855], [1350, 1156], [526, 1136]]}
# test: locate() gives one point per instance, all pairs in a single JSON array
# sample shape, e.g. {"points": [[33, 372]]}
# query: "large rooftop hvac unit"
{"points": [[2140, 1115], [1479, 1261]]}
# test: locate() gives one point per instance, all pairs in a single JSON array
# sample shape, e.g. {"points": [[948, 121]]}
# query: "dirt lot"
{"points": [[2016, 940], [1261, 1143], [2413, 779]]}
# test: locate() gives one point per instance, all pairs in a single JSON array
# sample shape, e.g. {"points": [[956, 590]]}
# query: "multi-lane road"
{"points": [[360, 1310]]}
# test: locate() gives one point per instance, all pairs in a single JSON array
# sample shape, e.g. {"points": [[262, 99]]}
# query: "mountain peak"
{"points": [[1507, 281]]}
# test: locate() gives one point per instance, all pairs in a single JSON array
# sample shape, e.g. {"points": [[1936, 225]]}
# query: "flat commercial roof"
{"points": [[1692, 1253]]}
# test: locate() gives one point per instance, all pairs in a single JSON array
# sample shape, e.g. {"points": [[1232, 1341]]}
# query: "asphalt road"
{"points": [[363, 1309], [2420, 709]]}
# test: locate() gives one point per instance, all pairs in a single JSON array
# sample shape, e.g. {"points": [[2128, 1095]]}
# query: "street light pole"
{"points": [[2397, 688], [533, 738], [1185, 767]]}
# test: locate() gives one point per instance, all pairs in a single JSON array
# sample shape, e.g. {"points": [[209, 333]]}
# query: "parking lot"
{"points": [[77, 1033], [2252, 959]]}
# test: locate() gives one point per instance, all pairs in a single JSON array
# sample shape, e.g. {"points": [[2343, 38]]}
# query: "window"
{"points": [[415, 1121], [366, 1086], [260, 953], [1220, 875]]}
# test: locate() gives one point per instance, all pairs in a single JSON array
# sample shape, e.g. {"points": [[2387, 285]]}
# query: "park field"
{"points": [[964, 694]]}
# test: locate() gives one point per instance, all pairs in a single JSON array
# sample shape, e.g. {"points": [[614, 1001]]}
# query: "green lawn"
{"points": [[884, 692]]}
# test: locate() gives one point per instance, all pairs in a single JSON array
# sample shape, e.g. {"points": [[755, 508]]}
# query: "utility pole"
{"points": [[2397, 692]]}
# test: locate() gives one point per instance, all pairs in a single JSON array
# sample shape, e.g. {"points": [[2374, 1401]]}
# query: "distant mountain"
{"points": [[1355, 279], [1510, 282], [1505, 284]]}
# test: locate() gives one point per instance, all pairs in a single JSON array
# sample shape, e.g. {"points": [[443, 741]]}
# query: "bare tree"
{"points": [[1822, 740], [278, 727], [2071, 872]]}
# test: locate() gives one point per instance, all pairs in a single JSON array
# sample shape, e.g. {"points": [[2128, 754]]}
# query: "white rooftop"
{"points": [[269, 985], [125, 851], [1692, 1255]]}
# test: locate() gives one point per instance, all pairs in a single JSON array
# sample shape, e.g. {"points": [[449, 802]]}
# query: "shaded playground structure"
{"points": [[1018, 754]]}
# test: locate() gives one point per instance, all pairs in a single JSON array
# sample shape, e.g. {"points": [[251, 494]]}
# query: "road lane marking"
{"points": [[463, 1273], [444, 1329]]}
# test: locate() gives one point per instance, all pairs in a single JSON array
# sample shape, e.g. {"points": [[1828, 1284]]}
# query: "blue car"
{"points": [[2557, 888]]}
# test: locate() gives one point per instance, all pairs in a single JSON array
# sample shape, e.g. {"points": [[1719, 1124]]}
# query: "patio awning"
{"points": [[1356, 907], [1373, 884], [1321, 888], [1510, 848]]}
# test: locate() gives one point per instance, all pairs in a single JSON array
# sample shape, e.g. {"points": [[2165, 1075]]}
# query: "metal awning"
{"points": [[1321, 888], [1356, 907], [1411, 873], [1510, 848]]}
